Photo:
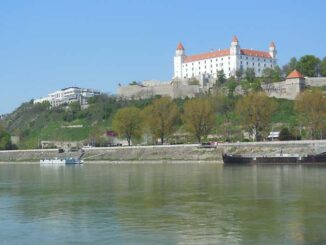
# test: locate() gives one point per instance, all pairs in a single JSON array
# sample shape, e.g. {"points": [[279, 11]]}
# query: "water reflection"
{"points": [[163, 203]]}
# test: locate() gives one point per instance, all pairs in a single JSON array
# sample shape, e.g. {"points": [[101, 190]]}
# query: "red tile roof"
{"points": [[180, 46], [257, 53], [294, 74], [225, 52], [235, 39], [209, 55]]}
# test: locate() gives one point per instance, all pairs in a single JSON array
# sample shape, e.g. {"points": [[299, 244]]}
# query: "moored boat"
{"points": [[274, 159], [61, 161]]}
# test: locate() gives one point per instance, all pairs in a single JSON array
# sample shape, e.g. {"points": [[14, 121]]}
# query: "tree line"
{"points": [[202, 116], [162, 118]]}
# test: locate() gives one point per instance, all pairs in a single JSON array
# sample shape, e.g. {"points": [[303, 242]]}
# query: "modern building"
{"points": [[68, 95], [229, 60]]}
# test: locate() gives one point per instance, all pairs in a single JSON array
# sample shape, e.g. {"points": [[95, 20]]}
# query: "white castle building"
{"points": [[68, 95], [229, 60]]}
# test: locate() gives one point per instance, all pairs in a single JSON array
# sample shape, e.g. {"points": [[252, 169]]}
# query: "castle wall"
{"points": [[172, 90], [316, 81], [288, 89]]}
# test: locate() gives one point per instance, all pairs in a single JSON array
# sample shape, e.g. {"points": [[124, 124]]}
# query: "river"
{"points": [[195, 203]]}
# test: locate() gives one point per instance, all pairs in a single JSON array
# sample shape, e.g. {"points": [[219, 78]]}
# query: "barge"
{"points": [[274, 159]]}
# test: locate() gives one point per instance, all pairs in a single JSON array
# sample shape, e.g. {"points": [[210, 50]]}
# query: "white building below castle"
{"points": [[229, 60], [68, 95]]}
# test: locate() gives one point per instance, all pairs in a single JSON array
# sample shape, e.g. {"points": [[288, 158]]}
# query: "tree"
{"points": [[323, 68], [161, 118], [270, 76], [311, 107], [193, 81], [250, 75], [231, 85], [255, 110], [199, 117], [5, 141], [221, 79], [127, 122], [239, 74], [224, 106], [285, 134], [289, 67], [308, 65]]}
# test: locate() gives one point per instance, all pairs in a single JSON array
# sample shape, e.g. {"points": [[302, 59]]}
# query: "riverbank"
{"points": [[168, 153]]}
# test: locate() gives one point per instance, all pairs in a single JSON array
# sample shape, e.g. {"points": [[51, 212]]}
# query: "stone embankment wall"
{"points": [[171, 152]]}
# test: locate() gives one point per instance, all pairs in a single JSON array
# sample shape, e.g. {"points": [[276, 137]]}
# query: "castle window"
{"points": [[253, 58], [241, 62], [253, 64], [246, 58], [258, 64], [221, 58], [247, 63], [241, 57], [229, 57], [264, 65], [264, 59]]}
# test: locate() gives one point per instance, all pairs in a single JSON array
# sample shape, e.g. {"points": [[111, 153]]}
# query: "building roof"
{"points": [[225, 52], [180, 46], [209, 55], [256, 53], [235, 39], [294, 74], [272, 45]]}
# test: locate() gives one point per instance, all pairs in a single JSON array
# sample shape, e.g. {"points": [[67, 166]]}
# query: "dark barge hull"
{"points": [[309, 159]]}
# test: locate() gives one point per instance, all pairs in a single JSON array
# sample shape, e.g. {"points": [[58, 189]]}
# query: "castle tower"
{"points": [[235, 52], [178, 61], [295, 83], [272, 50], [235, 46]]}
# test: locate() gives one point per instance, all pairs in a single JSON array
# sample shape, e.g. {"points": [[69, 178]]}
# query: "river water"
{"points": [[162, 204]]}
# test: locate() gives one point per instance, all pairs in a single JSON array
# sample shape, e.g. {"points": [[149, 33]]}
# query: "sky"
{"points": [[47, 45]]}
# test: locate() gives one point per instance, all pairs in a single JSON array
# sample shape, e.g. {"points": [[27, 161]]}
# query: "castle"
{"points": [[229, 60]]}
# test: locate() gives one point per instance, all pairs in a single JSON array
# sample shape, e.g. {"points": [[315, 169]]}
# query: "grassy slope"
{"points": [[34, 123]]}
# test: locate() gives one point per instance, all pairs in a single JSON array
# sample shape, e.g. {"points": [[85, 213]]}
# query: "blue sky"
{"points": [[48, 45]]}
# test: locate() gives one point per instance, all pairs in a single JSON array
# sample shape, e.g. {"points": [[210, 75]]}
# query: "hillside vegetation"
{"points": [[221, 114]]}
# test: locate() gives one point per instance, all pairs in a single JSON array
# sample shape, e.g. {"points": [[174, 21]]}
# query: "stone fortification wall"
{"points": [[288, 89], [316, 81], [277, 90], [172, 89], [172, 152]]}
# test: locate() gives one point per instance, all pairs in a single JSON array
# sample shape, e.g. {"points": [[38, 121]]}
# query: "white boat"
{"points": [[61, 161]]}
